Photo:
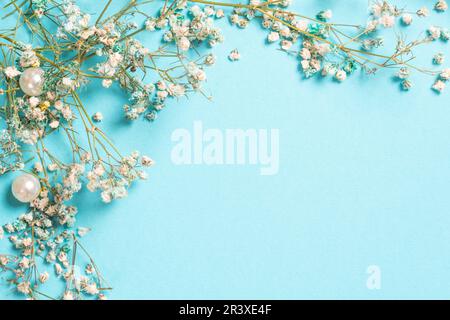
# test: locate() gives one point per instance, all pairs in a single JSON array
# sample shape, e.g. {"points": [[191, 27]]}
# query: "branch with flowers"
{"points": [[40, 82]]}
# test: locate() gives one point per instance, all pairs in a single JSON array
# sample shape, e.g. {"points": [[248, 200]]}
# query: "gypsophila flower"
{"points": [[11, 72], [445, 74], [441, 5], [234, 55], [423, 12], [438, 59], [403, 73], [68, 296], [434, 32], [325, 15], [439, 86], [406, 85], [97, 117], [407, 19], [341, 75], [43, 277], [273, 36]]}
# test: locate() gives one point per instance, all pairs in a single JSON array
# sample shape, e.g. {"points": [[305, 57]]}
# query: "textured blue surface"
{"points": [[364, 180]]}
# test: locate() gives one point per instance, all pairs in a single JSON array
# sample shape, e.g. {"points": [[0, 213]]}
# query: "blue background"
{"points": [[364, 180]]}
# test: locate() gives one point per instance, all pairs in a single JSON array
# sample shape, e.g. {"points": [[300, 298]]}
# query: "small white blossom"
{"points": [[97, 117], [445, 74], [423, 12], [407, 19], [43, 277], [273, 36], [434, 32], [82, 231], [11, 72], [184, 44], [341, 75], [439, 86], [54, 124], [68, 295], [387, 21], [91, 289], [441, 5]]}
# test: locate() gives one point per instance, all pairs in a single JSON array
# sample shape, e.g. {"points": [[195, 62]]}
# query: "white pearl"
{"points": [[32, 81], [26, 188]]}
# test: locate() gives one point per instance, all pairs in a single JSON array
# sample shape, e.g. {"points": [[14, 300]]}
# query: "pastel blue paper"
{"points": [[364, 180]]}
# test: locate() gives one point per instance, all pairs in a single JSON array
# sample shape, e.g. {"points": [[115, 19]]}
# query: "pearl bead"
{"points": [[32, 81], [26, 188]]}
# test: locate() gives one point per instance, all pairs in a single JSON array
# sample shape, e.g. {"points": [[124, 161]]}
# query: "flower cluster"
{"points": [[328, 49], [11, 158], [113, 181]]}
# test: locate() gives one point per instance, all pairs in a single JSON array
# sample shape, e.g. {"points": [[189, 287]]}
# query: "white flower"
{"points": [[439, 86], [286, 44], [3, 260], [106, 83], [54, 124], [59, 105], [33, 101], [28, 241], [150, 25], [43, 277], [24, 263], [445, 74], [115, 59], [11, 72], [58, 269], [407, 19], [162, 94], [82, 231], [99, 170], [285, 32], [234, 55], [322, 48], [403, 73], [91, 289], [68, 295], [176, 90], [423, 12], [341, 75], [305, 64], [97, 117], [24, 287], [376, 9], [371, 25], [327, 14], [184, 44], [101, 296], [315, 64], [441, 5], [387, 21], [38, 167], [146, 161], [301, 25], [439, 58], [67, 82], [220, 14], [273, 36], [106, 197], [305, 54], [434, 32]]}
